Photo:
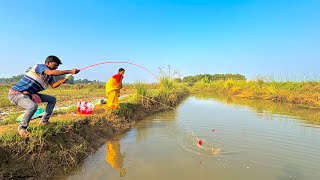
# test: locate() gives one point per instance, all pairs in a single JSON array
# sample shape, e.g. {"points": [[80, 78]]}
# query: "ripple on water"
{"points": [[189, 141]]}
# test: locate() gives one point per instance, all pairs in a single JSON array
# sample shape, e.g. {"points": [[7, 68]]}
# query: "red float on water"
{"points": [[200, 143]]}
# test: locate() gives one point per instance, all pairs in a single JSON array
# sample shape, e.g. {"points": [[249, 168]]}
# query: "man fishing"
{"points": [[25, 93]]}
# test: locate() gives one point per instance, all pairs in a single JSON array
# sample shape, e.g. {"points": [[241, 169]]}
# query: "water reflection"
{"points": [[141, 130], [268, 108], [114, 156]]}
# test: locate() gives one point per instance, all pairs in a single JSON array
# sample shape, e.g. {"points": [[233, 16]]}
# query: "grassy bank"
{"points": [[51, 151], [305, 94]]}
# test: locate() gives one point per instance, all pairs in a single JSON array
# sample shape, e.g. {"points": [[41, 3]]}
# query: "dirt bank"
{"points": [[60, 148]]}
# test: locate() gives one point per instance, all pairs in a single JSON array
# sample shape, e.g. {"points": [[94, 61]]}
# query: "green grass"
{"points": [[10, 118], [300, 93], [10, 136], [125, 110], [168, 92], [37, 132]]}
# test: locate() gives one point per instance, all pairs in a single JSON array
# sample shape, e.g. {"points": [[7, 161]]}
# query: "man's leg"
{"points": [[25, 102], [49, 109]]}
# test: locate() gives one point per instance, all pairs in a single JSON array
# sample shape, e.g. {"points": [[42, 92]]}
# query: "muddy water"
{"points": [[214, 137]]}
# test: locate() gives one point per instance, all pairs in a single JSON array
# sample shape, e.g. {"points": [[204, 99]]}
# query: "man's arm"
{"points": [[60, 72]]}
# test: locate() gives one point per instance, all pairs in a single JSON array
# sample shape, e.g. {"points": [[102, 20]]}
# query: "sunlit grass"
{"points": [[10, 118], [9, 134], [166, 93], [301, 93], [125, 110]]}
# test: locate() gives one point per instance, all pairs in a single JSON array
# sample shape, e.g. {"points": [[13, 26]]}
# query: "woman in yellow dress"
{"points": [[113, 87]]}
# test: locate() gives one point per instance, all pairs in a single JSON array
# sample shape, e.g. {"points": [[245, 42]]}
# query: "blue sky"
{"points": [[250, 37]]}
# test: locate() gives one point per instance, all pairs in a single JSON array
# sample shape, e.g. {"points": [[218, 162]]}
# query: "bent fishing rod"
{"points": [[119, 62]]}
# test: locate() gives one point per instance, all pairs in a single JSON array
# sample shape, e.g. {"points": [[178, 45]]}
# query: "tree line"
{"points": [[71, 80], [212, 77], [187, 79]]}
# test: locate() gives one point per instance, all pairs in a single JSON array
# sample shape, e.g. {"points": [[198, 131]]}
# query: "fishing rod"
{"points": [[121, 62]]}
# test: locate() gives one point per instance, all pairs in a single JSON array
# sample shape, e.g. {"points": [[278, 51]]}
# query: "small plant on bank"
{"points": [[125, 110]]}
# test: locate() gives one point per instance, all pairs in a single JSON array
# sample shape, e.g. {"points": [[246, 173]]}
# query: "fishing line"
{"points": [[120, 62]]}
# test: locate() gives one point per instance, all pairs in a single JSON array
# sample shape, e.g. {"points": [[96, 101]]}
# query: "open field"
{"points": [[66, 95]]}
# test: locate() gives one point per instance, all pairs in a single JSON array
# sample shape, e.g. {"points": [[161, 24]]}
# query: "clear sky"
{"points": [[250, 37]]}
